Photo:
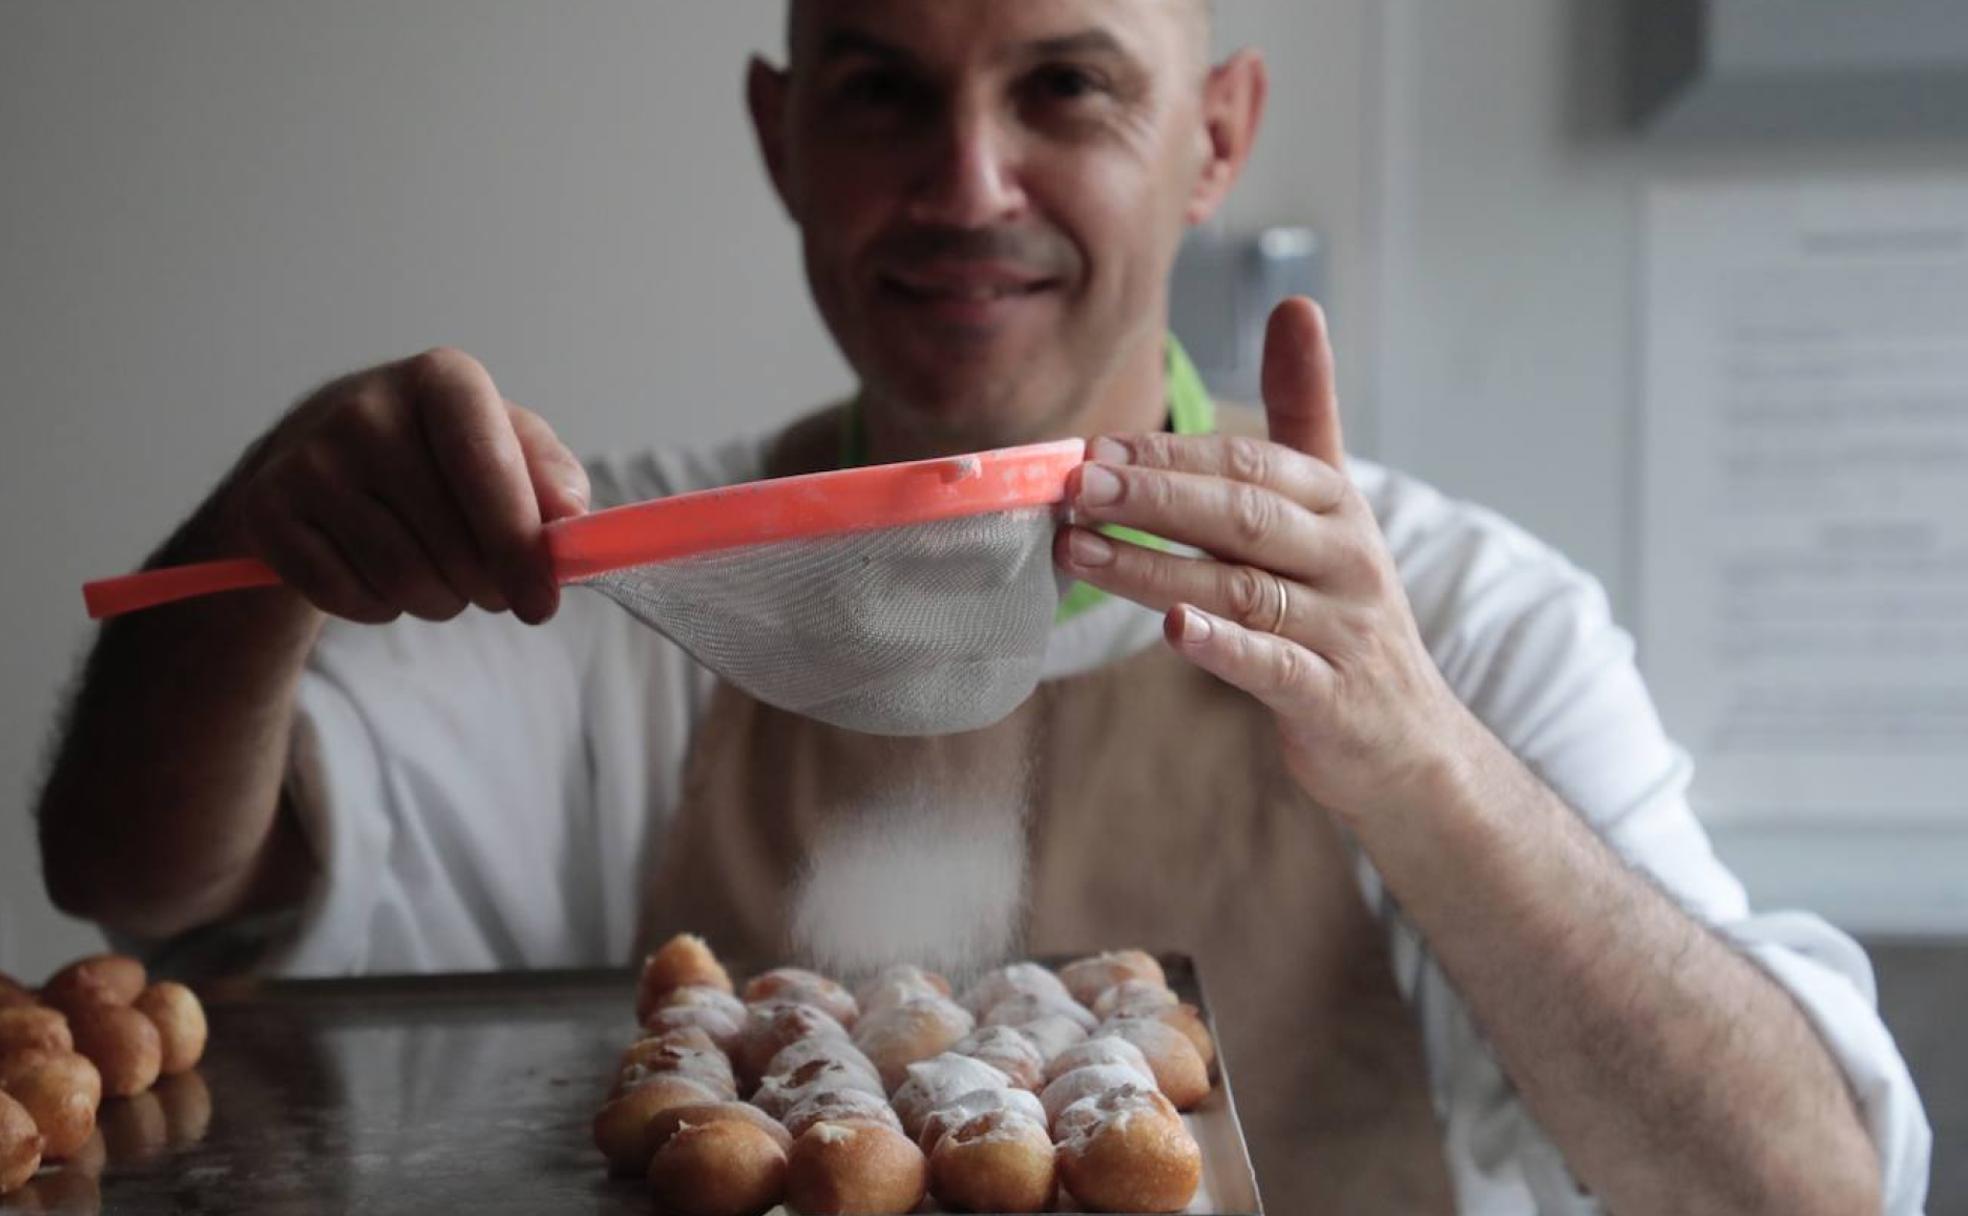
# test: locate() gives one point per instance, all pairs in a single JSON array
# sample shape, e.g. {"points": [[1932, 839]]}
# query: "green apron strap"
{"points": [[1191, 411]]}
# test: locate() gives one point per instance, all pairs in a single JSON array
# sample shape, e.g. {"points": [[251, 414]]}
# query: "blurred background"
{"points": [[1560, 241]]}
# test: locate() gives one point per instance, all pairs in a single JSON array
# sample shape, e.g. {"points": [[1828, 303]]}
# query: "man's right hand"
{"points": [[411, 487]]}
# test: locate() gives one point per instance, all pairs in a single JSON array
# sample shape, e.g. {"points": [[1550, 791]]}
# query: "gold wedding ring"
{"points": [[1284, 601]]}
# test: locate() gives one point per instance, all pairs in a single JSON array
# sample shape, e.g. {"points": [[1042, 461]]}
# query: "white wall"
{"points": [[1315, 162], [1509, 346], [208, 206], [211, 206]]}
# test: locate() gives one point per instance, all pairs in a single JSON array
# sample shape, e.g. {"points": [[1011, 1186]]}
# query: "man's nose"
{"points": [[971, 178]]}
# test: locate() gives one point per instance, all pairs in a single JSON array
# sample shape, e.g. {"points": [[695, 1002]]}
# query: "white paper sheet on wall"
{"points": [[1805, 495]]}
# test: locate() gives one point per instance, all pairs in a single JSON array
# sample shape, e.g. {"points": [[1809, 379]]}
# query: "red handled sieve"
{"points": [[897, 599]]}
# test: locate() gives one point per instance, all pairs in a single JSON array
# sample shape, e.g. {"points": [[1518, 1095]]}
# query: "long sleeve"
{"points": [[1528, 643]]}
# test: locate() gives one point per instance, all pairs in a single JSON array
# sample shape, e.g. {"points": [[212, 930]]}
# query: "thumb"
{"points": [[1300, 401], [560, 483]]}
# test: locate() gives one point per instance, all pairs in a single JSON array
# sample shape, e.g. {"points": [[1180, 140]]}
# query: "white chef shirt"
{"points": [[483, 795]]}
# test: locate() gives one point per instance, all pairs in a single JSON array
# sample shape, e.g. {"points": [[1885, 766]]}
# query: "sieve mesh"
{"points": [[921, 629]]}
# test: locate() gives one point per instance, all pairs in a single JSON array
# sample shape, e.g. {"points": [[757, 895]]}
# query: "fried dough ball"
{"points": [[1029, 1007], [17, 1067], [622, 1126], [1053, 1034], [897, 983], [666, 1123], [1007, 1049], [721, 1168], [1010, 980], [684, 960], [180, 1022], [952, 1115], [689, 1054], [187, 1103], [135, 1130], [838, 1168], [795, 1056], [20, 1145], [1087, 978], [1000, 1161], [686, 1038], [123, 1044], [14, 994], [1139, 999], [771, 1028], [1110, 1049], [34, 1028], [1189, 1020], [1127, 1150], [917, 1029], [1131, 998], [1088, 1082], [100, 979], [777, 1096], [695, 996], [1179, 1072], [712, 1010], [851, 1107], [61, 1090], [933, 1083], [800, 986]]}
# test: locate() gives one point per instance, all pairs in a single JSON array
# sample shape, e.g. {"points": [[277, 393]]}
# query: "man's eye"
{"points": [[1066, 83], [874, 89]]}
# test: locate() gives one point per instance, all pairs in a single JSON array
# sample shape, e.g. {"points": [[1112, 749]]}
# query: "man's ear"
{"points": [[1233, 109], [765, 95]]}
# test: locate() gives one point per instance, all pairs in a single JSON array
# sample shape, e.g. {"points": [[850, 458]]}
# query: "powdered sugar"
{"points": [[934, 875]]}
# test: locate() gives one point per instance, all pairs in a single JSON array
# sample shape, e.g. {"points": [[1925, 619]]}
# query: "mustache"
{"points": [[1042, 252]]}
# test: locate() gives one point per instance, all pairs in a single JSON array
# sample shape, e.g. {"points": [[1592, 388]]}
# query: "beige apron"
{"points": [[1161, 816]]}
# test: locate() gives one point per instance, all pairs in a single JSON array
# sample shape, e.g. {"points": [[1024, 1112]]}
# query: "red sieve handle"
{"points": [[706, 521], [109, 597]]}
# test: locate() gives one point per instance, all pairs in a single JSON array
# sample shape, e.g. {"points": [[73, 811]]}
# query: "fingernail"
{"points": [[1107, 451], [1192, 627], [575, 493], [1098, 486], [1089, 548]]}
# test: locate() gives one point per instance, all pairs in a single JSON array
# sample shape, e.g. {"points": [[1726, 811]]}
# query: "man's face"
{"points": [[991, 193]]}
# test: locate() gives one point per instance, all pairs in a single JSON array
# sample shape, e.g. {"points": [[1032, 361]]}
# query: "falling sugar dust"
{"points": [[933, 872]]}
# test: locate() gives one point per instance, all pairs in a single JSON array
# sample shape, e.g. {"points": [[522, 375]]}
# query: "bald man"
{"points": [[1379, 760]]}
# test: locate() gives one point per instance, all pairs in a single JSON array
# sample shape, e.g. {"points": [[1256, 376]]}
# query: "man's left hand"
{"points": [[1295, 598]]}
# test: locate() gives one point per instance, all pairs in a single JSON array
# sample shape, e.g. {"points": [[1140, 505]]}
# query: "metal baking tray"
{"points": [[1229, 1184], [421, 1094]]}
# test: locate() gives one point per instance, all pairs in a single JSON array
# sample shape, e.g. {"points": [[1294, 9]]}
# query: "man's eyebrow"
{"points": [[1085, 42], [842, 42]]}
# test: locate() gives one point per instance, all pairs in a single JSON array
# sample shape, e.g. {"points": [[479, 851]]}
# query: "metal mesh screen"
{"points": [[926, 629]]}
